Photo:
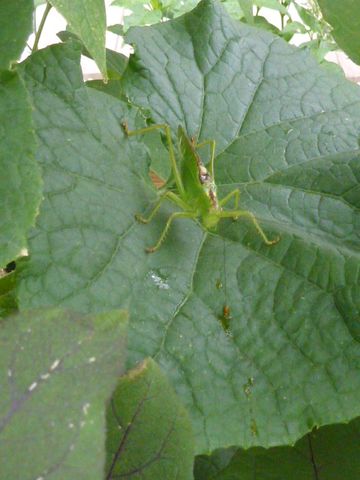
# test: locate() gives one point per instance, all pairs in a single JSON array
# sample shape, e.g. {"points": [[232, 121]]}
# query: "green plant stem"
{"points": [[282, 16], [41, 27]]}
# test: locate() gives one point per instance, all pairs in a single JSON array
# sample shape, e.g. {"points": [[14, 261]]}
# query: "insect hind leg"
{"points": [[235, 214], [166, 229], [165, 196], [234, 193]]}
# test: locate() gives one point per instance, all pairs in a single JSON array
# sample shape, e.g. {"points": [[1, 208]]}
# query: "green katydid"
{"points": [[193, 187]]}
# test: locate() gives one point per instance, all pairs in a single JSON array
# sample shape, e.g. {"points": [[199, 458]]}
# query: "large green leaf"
{"points": [[331, 453], [58, 370], [287, 135], [20, 181], [344, 17], [88, 21], [15, 27], [149, 432]]}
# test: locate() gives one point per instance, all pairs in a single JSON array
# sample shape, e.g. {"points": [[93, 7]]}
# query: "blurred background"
{"points": [[298, 21]]}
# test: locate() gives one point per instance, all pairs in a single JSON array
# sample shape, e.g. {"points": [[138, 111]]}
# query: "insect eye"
{"points": [[203, 174]]}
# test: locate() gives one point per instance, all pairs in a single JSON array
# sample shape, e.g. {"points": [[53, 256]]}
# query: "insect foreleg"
{"points": [[165, 196], [244, 213], [167, 131], [234, 193], [212, 144], [167, 226]]}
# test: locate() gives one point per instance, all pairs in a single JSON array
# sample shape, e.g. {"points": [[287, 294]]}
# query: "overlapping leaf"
{"points": [[58, 371], [20, 181], [88, 21], [15, 27], [327, 454], [115, 62], [149, 431], [344, 17], [286, 132]]}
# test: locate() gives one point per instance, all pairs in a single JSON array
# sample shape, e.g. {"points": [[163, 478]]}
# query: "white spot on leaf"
{"points": [[32, 386], [159, 282], [55, 364]]}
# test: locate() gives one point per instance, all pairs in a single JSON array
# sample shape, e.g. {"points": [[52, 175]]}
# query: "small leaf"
{"points": [[149, 431], [344, 17], [291, 28], [272, 4], [247, 7], [118, 29], [58, 370], [15, 27], [308, 18], [112, 87], [141, 16], [262, 22], [89, 23], [331, 453], [20, 180], [116, 62], [320, 49]]}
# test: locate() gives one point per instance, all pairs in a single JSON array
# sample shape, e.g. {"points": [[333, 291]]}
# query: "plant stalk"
{"points": [[41, 26], [282, 17]]}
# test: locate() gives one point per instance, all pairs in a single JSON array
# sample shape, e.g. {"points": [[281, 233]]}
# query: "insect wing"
{"points": [[190, 174]]}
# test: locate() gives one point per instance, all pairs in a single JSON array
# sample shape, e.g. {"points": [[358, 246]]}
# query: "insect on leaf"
{"points": [[190, 164], [196, 188]]}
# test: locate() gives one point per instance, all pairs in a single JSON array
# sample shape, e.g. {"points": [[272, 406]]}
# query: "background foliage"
{"points": [[294, 17]]}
